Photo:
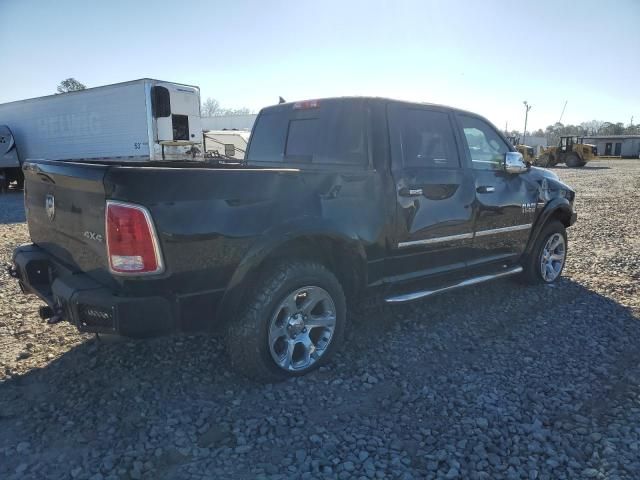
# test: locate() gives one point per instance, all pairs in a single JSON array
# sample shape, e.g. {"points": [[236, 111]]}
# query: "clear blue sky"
{"points": [[485, 56]]}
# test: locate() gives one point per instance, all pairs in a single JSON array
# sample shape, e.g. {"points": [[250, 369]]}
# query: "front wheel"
{"points": [[574, 161], [291, 325], [547, 258]]}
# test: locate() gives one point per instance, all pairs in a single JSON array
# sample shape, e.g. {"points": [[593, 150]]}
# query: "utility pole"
{"points": [[527, 107]]}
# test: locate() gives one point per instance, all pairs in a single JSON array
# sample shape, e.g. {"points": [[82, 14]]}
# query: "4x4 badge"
{"points": [[50, 207]]}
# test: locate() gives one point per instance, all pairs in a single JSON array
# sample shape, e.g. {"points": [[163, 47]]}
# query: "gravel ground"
{"points": [[498, 381]]}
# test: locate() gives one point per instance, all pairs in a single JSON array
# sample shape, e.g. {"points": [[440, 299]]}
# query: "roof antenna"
{"points": [[281, 100]]}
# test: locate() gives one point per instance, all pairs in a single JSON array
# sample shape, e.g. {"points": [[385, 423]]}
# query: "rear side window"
{"points": [[334, 132], [426, 138]]}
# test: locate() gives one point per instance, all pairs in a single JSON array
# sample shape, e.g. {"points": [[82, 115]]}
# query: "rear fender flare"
{"points": [[277, 237]]}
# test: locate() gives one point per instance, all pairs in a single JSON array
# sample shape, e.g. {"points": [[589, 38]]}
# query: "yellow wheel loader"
{"points": [[572, 151], [526, 151]]}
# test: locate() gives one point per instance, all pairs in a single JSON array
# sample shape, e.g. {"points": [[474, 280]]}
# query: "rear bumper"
{"points": [[85, 303]]}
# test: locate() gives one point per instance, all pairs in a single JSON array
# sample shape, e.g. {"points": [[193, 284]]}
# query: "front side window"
{"points": [[427, 139], [486, 148]]}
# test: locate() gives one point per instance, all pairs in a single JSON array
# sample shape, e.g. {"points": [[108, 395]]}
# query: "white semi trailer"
{"points": [[138, 121]]}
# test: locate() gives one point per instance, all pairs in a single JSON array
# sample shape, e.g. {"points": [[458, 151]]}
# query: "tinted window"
{"points": [[486, 147], [427, 139], [346, 129], [302, 139], [267, 138], [332, 133]]}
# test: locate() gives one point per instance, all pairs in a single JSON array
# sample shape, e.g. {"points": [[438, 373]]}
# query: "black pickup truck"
{"points": [[340, 200]]}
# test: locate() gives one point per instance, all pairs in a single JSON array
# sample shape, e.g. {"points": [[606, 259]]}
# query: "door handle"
{"points": [[486, 189], [410, 192]]}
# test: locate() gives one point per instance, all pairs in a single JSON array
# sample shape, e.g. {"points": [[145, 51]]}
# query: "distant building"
{"points": [[229, 122], [616, 145], [536, 142]]}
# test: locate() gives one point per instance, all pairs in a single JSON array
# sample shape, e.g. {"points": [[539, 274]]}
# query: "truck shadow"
{"points": [[12, 207], [99, 393]]}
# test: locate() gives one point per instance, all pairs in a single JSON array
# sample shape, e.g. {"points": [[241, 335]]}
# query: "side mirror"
{"points": [[514, 163]]}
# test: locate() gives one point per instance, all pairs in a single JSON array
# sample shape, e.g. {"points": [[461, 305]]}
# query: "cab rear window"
{"points": [[333, 132]]}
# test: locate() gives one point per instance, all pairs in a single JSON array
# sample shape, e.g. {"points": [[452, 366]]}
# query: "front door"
{"points": [[618, 149], [505, 203], [434, 192], [607, 149]]}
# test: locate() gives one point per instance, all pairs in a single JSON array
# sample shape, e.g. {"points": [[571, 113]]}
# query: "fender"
{"points": [[558, 204], [279, 235]]}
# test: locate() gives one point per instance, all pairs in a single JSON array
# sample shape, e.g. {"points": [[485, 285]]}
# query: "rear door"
{"points": [[434, 193], [65, 205], [505, 203]]}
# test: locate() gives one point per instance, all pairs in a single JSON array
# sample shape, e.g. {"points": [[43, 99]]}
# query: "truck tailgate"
{"points": [[65, 205]]}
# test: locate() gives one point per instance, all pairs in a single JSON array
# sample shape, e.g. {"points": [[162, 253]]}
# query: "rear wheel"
{"points": [[573, 160], [548, 256], [291, 325]]}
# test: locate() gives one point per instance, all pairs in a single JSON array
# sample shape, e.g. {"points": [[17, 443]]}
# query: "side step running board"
{"points": [[410, 297]]}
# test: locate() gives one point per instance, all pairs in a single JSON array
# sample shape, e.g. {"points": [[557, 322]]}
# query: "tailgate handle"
{"points": [[486, 189]]}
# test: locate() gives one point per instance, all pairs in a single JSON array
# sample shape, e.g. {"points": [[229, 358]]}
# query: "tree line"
{"points": [[211, 108], [592, 128]]}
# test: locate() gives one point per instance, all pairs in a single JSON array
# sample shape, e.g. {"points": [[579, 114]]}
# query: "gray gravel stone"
{"points": [[497, 381]]}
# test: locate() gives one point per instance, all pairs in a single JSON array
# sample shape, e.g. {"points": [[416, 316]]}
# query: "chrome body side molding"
{"points": [[493, 231], [430, 241], [465, 236]]}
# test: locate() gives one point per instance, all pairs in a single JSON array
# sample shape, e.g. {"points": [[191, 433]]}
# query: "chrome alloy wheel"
{"points": [[301, 328], [553, 257]]}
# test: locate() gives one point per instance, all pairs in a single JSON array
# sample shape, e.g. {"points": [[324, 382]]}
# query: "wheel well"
{"points": [[341, 258], [563, 215]]}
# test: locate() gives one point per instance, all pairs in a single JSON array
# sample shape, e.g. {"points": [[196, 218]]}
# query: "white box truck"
{"points": [[138, 121]]}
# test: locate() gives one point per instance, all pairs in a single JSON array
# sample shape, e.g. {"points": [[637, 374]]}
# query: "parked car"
{"points": [[340, 199]]}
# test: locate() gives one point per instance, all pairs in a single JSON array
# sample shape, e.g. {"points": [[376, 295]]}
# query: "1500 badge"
{"points": [[529, 207]]}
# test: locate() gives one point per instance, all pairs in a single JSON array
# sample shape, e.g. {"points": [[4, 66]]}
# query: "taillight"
{"points": [[306, 104], [132, 244]]}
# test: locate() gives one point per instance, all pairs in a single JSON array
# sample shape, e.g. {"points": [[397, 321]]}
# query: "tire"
{"points": [[273, 339], [543, 161], [573, 160], [20, 180], [533, 265]]}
